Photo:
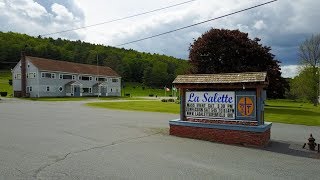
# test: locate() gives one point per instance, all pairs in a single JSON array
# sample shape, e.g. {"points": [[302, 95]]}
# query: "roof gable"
{"points": [[70, 67]]}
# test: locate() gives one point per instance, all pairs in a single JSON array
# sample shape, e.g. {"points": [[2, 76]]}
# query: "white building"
{"points": [[39, 77]]}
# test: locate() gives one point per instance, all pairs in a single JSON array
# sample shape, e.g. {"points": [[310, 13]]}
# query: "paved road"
{"points": [[67, 140]]}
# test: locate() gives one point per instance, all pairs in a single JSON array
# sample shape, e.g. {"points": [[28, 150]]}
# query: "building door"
{"points": [[103, 91], [76, 91]]}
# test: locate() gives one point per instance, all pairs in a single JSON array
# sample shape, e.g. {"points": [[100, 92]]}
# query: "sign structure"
{"points": [[210, 104]]}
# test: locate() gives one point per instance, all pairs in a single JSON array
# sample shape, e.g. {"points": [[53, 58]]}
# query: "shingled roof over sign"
{"points": [[225, 78], [70, 67]]}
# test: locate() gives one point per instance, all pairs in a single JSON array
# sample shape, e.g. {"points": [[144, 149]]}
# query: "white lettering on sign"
{"points": [[210, 104]]}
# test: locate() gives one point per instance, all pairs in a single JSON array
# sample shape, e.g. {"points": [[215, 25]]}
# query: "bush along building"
{"points": [[39, 77]]}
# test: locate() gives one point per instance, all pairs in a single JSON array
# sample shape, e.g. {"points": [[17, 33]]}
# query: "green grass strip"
{"points": [[151, 106], [278, 111]]}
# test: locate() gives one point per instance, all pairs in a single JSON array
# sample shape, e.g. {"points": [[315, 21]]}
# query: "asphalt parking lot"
{"points": [[68, 140]]}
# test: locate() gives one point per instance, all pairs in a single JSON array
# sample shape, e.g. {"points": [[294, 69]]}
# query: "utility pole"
{"points": [[98, 76], [319, 82]]}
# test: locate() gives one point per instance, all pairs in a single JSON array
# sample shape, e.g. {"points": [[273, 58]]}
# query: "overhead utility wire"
{"points": [[236, 12], [119, 19]]}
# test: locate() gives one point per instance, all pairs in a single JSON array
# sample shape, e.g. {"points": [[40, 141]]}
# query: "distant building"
{"points": [[39, 77]]}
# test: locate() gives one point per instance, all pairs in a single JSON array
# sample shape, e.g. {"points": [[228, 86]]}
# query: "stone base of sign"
{"points": [[257, 136]]}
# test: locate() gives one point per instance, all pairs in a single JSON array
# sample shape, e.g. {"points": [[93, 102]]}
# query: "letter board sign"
{"points": [[220, 105], [210, 104]]}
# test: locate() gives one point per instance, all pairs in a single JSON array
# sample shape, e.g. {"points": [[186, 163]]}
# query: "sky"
{"points": [[282, 25]]}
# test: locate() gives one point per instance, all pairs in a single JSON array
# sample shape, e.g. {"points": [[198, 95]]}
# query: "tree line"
{"points": [[153, 70], [216, 51]]}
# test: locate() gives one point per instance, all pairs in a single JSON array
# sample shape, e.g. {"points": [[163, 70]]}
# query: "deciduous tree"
{"points": [[231, 51], [309, 53]]}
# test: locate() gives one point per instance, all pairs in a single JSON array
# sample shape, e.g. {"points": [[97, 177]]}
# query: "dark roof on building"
{"points": [[70, 67], [225, 78]]}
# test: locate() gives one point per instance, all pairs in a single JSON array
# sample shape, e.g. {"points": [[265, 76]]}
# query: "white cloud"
{"points": [[30, 17], [62, 13], [290, 71], [259, 25], [27, 8], [2, 4]]}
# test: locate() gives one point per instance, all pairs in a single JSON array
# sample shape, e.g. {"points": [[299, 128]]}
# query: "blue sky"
{"points": [[283, 25]]}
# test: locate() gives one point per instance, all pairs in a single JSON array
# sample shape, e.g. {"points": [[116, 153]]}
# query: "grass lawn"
{"points": [[4, 85], [291, 112], [281, 111], [152, 106], [137, 89], [81, 98]]}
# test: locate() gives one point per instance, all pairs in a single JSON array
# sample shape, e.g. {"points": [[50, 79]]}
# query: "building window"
{"points": [[111, 89], [18, 76], [66, 76], [90, 78], [29, 89], [28, 65], [85, 78], [31, 75], [48, 88], [60, 76], [60, 89], [79, 77], [114, 80], [90, 90], [96, 79], [48, 75], [86, 90], [101, 79], [73, 77]]}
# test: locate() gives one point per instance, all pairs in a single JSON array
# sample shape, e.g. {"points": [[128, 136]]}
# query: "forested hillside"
{"points": [[152, 69]]}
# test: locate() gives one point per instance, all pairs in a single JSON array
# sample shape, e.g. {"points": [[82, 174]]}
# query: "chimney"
{"points": [[23, 74]]}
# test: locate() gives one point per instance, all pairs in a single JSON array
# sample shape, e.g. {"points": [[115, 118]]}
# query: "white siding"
{"points": [[39, 85]]}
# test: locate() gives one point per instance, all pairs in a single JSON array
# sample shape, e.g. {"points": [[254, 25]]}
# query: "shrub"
{"points": [[170, 100], [164, 100], [150, 95], [3, 94]]}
